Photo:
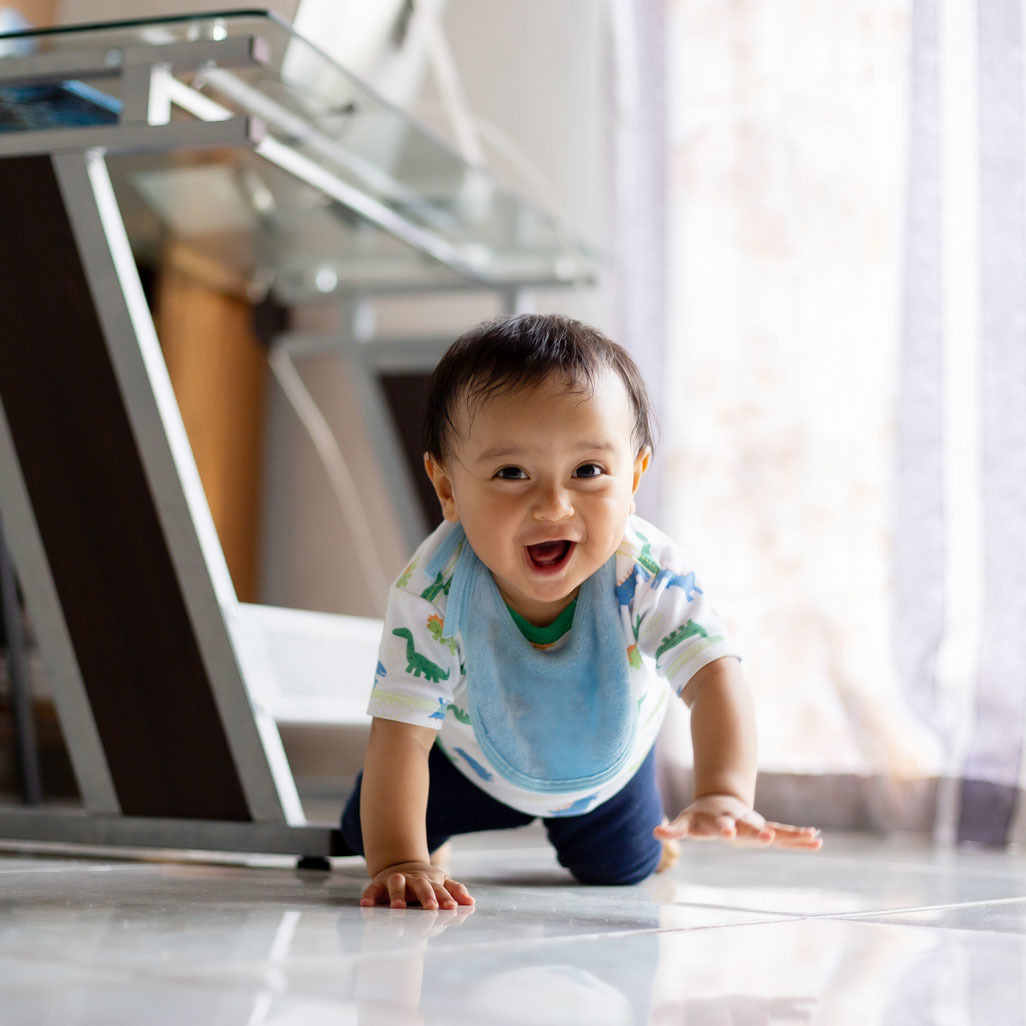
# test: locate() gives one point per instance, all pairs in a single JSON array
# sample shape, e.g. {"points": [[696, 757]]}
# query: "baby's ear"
{"points": [[443, 486], [641, 464]]}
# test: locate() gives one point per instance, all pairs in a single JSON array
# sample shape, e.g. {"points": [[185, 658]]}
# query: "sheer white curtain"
{"points": [[846, 391], [960, 556], [638, 97]]}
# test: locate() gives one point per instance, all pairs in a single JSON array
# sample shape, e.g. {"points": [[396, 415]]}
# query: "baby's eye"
{"points": [[589, 470], [510, 474]]}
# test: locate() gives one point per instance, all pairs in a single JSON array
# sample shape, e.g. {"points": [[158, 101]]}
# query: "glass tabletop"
{"points": [[348, 191]]}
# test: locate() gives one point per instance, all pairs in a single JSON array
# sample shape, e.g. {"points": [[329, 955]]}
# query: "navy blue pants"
{"points": [[612, 844]]}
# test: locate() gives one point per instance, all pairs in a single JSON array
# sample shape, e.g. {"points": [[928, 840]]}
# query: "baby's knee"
{"points": [[617, 871], [616, 878]]}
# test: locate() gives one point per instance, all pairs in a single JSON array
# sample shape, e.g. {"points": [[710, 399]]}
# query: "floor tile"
{"points": [[864, 933], [834, 972], [985, 917], [825, 883], [174, 915]]}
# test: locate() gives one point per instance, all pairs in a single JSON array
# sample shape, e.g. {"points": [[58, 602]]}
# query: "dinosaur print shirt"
{"points": [[670, 631]]}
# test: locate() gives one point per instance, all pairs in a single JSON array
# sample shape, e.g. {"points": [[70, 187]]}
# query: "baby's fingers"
{"points": [[373, 894], [754, 830], [806, 838], [423, 891], [674, 830], [396, 885], [429, 894], [459, 893]]}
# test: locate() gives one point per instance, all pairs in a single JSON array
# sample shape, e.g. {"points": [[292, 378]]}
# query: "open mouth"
{"points": [[549, 556]]}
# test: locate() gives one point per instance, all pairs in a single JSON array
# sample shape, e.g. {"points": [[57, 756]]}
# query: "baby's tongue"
{"points": [[548, 552]]}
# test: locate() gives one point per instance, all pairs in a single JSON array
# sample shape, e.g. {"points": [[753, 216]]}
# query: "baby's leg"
{"points": [[613, 844]]}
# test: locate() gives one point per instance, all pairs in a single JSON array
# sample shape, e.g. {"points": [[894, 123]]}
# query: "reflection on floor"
{"points": [[865, 932]]}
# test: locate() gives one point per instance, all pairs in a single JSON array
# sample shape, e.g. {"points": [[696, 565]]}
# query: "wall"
{"points": [[535, 70]]}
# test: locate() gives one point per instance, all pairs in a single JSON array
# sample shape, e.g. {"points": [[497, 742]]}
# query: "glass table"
{"points": [[330, 188]]}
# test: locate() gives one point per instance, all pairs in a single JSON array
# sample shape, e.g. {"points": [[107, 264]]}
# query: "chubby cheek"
{"points": [[490, 526], [604, 545], [497, 512], [609, 518]]}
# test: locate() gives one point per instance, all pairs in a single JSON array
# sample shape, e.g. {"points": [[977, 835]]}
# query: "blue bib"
{"points": [[553, 720]]}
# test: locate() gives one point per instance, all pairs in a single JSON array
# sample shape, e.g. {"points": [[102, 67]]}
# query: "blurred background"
{"points": [[809, 221]]}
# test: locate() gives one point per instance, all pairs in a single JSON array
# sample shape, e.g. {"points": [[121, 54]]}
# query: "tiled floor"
{"points": [[864, 932]]}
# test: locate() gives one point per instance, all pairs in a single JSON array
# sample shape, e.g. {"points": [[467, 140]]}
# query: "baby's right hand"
{"points": [[420, 882]]}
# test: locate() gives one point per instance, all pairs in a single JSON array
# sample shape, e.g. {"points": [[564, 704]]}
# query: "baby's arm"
{"points": [[393, 803], [724, 739]]}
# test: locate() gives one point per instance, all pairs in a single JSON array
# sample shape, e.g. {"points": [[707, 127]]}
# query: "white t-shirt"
{"points": [[670, 631]]}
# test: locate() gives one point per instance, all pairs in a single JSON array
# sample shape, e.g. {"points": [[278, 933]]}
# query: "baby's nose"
{"points": [[553, 504]]}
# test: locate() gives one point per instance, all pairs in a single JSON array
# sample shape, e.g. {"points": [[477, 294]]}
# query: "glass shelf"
{"points": [[342, 190]]}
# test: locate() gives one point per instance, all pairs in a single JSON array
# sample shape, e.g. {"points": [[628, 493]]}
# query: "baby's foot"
{"points": [[671, 852], [442, 855]]}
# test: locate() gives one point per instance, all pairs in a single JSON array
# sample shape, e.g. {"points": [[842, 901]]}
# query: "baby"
{"points": [[531, 645]]}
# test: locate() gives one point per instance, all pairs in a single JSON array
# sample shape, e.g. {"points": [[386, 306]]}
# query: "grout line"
{"points": [[919, 866], [925, 908], [853, 914]]}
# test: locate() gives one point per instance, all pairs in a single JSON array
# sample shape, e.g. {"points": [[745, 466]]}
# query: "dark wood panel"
{"points": [[406, 397], [146, 682]]}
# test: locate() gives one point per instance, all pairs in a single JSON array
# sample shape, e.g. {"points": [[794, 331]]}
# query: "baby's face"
{"points": [[543, 481]]}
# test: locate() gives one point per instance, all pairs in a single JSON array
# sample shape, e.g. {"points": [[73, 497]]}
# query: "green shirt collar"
{"points": [[549, 634]]}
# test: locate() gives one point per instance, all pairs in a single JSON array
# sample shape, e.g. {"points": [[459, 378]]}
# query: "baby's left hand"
{"points": [[722, 817]]}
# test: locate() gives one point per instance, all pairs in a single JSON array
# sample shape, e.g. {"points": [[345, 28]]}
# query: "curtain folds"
{"points": [[847, 296], [992, 771], [636, 38], [960, 556]]}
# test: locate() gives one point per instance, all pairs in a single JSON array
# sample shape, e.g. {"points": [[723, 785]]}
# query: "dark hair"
{"points": [[521, 351]]}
